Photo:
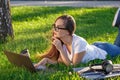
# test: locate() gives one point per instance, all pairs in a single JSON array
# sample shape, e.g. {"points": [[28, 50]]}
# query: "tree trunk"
{"points": [[5, 20]]}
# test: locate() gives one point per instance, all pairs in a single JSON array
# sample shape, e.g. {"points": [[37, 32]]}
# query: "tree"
{"points": [[5, 20]]}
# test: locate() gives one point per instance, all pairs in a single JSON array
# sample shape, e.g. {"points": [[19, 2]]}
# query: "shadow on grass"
{"points": [[34, 12], [37, 44], [94, 24], [30, 31], [89, 25]]}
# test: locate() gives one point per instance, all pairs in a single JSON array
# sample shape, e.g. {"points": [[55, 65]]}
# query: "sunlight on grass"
{"points": [[33, 30]]}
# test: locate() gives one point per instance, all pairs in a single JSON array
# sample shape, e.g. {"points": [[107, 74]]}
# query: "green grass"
{"points": [[32, 29]]}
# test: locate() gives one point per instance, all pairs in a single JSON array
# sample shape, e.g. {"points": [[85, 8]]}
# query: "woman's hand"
{"points": [[36, 65], [39, 67], [42, 64], [57, 43]]}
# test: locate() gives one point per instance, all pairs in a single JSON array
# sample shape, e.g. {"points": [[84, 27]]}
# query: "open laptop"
{"points": [[20, 60]]}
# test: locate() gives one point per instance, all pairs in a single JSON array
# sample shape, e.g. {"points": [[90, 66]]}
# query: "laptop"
{"points": [[20, 60]]}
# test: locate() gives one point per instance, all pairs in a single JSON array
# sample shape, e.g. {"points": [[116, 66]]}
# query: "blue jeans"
{"points": [[111, 49]]}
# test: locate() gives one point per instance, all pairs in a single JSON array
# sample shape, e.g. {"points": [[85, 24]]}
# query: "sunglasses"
{"points": [[56, 28]]}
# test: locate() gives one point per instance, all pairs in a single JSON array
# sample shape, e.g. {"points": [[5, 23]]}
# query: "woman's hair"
{"points": [[70, 25]]}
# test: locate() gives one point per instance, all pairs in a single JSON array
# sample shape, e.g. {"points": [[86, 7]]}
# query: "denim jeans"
{"points": [[117, 40], [111, 49]]}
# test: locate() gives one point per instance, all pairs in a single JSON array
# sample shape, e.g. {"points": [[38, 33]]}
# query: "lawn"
{"points": [[33, 30]]}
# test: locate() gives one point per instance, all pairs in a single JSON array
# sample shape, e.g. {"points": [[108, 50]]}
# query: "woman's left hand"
{"points": [[57, 43]]}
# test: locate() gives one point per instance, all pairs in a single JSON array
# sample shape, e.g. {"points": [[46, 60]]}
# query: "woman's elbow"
{"points": [[75, 63], [67, 64]]}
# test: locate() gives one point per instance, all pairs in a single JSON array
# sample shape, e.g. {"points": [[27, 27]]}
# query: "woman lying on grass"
{"points": [[69, 48]]}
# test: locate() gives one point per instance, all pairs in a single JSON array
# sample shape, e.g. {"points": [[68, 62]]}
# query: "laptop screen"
{"points": [[20, 60]]}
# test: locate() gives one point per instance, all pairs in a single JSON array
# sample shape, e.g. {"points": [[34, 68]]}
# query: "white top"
{"points": [[79, 44]]}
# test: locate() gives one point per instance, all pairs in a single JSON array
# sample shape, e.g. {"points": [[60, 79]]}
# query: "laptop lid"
{"points": [[20, 60]]}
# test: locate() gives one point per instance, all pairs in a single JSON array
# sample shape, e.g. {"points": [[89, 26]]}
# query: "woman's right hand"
{"points": [[36, 65], [39, 67], [57, 43]]}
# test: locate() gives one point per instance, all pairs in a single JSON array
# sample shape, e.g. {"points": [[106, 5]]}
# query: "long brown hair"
{"points": [[70, 25]]}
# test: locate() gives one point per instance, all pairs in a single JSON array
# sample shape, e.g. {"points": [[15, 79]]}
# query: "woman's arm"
{"points": [[60, 60], [63, 54], [64, 57], [78, 57], [44, 61]]}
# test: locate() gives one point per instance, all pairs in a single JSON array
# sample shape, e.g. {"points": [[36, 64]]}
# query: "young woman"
{"points": [[69, 48]]}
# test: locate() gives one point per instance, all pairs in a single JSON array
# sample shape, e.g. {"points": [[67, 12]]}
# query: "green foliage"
{"points": [[32, 29]]}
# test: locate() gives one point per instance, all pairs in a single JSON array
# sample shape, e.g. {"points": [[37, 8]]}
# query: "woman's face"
{"points": [[60, 30]]}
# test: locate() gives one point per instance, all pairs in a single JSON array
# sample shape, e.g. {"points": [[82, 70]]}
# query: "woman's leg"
{"points": [[117, 40], [112, 50]]}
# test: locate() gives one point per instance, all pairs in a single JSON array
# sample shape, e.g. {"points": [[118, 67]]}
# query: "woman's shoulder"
{"points": [[77, 38]]}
